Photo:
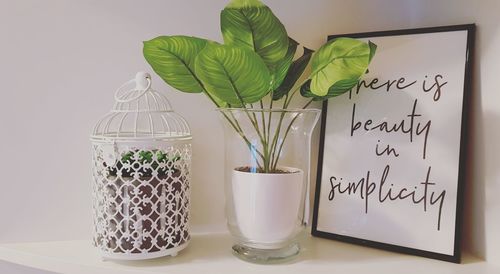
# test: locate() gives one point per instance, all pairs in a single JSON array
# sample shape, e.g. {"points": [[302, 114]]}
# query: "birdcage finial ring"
{"points": [[142, 83]]}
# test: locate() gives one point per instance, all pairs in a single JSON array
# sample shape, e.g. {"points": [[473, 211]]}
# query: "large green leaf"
{"points": [[172, 58], [337, 60], [280, 70], [294, 72], [251, 24], [236, 4], [337, 89], [232, 74]]}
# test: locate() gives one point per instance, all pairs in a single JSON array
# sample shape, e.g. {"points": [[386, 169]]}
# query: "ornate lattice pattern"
{"points": [[140, 197]]}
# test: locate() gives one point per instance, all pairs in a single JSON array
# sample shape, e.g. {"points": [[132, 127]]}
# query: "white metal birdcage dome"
{"points": [[141, 113]]}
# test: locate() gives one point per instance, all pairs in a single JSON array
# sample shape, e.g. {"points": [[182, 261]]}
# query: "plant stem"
{"points": [[263, 120], [277, 132], [255, 120], [239, 130], [269, 119], [271, 154], [266, 142], [255, 124], [288, 99], [251, 146], [275, 164]]}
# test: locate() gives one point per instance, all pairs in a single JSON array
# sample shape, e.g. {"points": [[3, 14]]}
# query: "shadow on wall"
{"points": [[474, 207], [483, 129], [482, 142]]}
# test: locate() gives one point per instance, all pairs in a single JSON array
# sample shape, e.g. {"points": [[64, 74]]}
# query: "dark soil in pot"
{"points": [[260, 170]]}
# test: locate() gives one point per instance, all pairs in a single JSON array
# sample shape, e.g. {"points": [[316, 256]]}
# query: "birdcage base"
{"points": [[143, 256]]}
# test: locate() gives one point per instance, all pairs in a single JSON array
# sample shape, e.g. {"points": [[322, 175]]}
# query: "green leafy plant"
{"points": [[256, 65], [147, 162]]}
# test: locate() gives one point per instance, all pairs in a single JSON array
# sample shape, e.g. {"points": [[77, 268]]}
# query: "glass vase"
{"points": [[267, 164]]}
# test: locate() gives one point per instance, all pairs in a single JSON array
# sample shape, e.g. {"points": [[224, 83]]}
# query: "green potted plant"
{"points": [[253, 78]]}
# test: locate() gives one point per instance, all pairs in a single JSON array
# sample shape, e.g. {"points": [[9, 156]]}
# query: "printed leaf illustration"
{"points": [[232, 74], [172, 58], [251, 24], [340, 59], [294, 72]]}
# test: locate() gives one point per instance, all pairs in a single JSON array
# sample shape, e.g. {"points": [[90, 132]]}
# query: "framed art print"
{"points": [[392, 149]]}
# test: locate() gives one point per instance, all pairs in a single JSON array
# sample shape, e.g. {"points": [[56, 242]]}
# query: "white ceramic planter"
{"points": [[268, 206]]}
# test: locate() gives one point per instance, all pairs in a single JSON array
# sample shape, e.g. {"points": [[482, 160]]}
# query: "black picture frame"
{"points": [[456, 257]]}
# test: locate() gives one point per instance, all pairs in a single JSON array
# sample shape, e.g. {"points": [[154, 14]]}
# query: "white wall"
{"points": [[60, 62]]}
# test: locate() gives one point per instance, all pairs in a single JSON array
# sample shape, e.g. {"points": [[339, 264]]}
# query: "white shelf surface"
{"points": [[211, 253]]}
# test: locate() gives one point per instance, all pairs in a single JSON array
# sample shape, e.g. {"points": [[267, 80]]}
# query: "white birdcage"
{"points": [[141, 175]]}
